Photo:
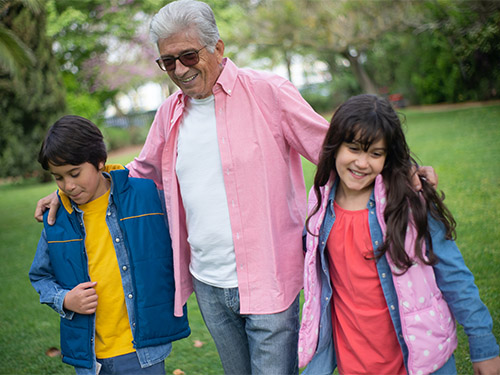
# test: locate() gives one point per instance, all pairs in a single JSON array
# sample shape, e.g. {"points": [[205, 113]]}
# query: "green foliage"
{"points": [[83, 103], [105, 47], [32, 99], [448, 52], [326, 96], [318, 96], [430, 50], [14, 54], [117, 138]]}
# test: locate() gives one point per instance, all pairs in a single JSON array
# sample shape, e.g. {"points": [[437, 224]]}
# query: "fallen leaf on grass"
{"points": [[52, 352], [178, 372], [198, 343]]}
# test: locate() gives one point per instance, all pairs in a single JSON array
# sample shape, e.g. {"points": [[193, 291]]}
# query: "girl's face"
{"points": [[358, 168], [82, 183]]}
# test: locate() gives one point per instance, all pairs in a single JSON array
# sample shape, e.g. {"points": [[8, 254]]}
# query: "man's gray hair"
{"points": [[179, 15]]}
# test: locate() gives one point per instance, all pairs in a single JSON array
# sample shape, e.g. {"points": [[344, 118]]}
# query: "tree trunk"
{"points": [[364, 80]]}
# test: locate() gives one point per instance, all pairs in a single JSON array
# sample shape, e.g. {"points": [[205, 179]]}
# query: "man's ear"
{"points": [[219, 50]]}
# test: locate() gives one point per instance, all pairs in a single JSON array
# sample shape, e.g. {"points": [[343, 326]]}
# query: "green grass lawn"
{"points": [[462, 145]]}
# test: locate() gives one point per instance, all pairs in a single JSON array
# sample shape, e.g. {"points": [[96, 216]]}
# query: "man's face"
{"points": [[198, 80]]}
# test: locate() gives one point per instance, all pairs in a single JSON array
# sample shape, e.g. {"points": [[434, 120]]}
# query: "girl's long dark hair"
{"points": [[366, 119]]}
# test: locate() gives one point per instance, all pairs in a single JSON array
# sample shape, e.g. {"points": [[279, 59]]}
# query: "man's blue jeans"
{"points": [[249, 344]]}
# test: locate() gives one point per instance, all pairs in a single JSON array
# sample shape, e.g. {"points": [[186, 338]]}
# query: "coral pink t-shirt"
{"points": [[365, 339]]}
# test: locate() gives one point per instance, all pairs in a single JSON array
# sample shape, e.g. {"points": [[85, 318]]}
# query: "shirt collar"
{"points": [[227, 78]]}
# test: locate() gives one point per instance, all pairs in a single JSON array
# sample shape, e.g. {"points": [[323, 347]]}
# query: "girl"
{"points": [[383, 280]]}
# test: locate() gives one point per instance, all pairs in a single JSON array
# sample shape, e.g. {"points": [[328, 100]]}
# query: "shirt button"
{"points": [[376, 242], [229, 91], [124, 268], [117, 240], [109, 213], [392, 307], [130, 296], [383, 275]]}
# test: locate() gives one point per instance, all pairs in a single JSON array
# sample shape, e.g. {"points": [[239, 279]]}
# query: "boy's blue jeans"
{"points": [[128, 364], [249, 344]]}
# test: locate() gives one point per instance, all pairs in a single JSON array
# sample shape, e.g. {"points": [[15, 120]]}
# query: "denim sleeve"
{"points": [[42, 278], [323, 362], [456, 283]]}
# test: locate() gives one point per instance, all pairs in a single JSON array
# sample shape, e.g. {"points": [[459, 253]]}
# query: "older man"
{"points": [[226, 151]]}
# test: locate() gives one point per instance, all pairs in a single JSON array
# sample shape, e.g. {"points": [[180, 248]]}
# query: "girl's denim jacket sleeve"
{"points": [[453, 278], [51, 293]]}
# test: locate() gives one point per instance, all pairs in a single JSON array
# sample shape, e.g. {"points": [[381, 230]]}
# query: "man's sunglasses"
{"points": [[189, 58]]}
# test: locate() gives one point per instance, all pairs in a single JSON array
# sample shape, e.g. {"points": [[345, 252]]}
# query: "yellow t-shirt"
{"points": [[113, 334]]}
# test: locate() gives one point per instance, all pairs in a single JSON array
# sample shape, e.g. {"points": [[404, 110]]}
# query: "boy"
{"points": [[106, 266]]}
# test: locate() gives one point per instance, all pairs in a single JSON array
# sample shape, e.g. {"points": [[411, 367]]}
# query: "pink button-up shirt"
{"points": [[263, 126]]}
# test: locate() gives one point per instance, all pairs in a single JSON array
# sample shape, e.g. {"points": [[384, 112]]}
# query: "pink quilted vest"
{"points": [[311, 309], [427, 323]]}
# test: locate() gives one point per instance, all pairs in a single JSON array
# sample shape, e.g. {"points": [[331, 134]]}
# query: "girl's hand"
{"points": [[82, 299], [488, 367]]}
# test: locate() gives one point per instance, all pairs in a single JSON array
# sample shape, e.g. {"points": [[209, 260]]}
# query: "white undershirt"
{"points": [[199, 171]]}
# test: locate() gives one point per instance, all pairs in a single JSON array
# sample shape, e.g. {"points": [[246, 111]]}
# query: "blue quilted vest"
{"points": [[147, 240]]}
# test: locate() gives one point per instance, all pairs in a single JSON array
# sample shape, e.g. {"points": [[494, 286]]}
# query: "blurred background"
{"points": [[94, 58], [438, 61]]}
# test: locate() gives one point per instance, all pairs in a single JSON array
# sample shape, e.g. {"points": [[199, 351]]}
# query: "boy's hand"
{"points": [[82, 299], [428, 173], [488, 367], [50, 202]]}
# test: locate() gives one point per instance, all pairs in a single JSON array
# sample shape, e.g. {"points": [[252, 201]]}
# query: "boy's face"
{"points": [[82, 183]]}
